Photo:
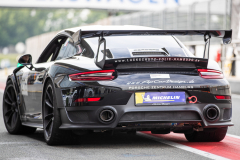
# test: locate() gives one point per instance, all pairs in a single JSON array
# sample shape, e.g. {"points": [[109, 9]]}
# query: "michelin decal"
{"points": [[161, 98]]}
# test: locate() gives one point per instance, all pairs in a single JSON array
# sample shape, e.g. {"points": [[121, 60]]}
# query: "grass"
{"points": [[13, 58]]}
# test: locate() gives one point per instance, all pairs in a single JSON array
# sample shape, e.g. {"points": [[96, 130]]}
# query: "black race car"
{"points": [[108, 78]]}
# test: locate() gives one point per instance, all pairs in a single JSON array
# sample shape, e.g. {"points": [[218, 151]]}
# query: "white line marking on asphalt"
{"points": [[234, 136], [7, 143], [27, 158], [183, 147]]}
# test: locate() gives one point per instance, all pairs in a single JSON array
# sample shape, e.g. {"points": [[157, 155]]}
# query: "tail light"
{"points": [[87, 99], [223, 97], [93, 76], [210, 74]]}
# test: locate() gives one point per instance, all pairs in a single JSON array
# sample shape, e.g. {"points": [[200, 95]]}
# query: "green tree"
{"points": [[19, 24]]}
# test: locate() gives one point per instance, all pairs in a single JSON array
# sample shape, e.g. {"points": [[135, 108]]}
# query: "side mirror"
{"points": [[25, 59]]}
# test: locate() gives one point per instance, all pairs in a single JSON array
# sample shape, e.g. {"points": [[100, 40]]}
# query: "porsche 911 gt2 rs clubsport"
{"points": [[119, 78]]}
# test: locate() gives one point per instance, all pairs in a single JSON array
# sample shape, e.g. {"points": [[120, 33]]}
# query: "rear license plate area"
{"points": [[159, 98]]}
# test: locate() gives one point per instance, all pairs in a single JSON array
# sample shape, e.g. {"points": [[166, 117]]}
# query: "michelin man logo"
{"points": [[146, 99]]}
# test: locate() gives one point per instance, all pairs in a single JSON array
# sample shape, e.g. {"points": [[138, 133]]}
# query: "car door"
{"points": [[33, 80]]}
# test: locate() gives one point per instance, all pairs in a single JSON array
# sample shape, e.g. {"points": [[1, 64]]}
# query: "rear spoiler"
{"points": [[226, 36]]}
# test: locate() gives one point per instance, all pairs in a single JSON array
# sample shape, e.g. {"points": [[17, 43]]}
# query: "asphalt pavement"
{"points": [[235, 130], [98, 145]]}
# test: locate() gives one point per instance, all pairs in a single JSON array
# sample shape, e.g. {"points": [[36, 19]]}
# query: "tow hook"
{"points": [[192, 99]]}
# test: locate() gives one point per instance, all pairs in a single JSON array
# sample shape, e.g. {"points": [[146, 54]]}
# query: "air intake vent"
{"points": [[227, 114], [149, 53]]}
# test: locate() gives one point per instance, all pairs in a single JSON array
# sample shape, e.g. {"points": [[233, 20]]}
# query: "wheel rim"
{"points": [[10, 108], [48, 111]]}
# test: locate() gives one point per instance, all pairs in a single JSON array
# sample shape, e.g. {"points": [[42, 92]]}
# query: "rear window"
{"points": [[131, 46]]}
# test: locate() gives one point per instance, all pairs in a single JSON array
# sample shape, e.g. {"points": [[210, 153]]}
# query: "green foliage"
{"points": [[95, 16], [19, 24]]}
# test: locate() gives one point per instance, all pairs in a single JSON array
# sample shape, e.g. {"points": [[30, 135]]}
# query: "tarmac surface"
{"points": [[143, 145], [93, 146]]}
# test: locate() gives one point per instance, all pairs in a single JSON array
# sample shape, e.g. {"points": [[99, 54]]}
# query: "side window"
{"points": [[67, 50], [48, 53], [52, 50], [49, 59]]}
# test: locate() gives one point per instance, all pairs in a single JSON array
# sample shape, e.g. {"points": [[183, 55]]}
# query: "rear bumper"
{"points": [[87, 117]]}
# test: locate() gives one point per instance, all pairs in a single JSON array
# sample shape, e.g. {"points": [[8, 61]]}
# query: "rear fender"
{"points": [[58, 93], [46, 78]]}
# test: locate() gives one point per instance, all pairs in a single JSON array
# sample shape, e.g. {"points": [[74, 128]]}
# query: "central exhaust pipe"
{"points": [[212, 112], [106, 115]]}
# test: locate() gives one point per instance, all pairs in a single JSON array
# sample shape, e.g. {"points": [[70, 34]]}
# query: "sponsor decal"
{"points": [[148, 49], [158, 87], [160, 98], [159, 76], [160, 81], [156, 59]]}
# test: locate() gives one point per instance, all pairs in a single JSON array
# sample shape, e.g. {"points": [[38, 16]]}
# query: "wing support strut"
{"points": [[207, 38], [100, 59]]}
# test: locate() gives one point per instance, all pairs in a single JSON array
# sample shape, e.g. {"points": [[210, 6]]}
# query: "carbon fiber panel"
{"points": [[148, 116]]}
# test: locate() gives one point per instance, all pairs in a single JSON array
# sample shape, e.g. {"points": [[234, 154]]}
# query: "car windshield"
{"points": [[130, 46]]}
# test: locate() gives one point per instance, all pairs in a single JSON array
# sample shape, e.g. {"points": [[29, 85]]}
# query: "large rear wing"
{"points": [[226, 36]]}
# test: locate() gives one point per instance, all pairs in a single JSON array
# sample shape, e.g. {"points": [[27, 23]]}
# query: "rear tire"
{"points": [[52, 120], [11, 115], [207, 135]]}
